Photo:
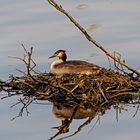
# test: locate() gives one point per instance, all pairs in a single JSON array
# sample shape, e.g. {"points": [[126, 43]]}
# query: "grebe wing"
{"points": [[77, 64], [80, 63]]}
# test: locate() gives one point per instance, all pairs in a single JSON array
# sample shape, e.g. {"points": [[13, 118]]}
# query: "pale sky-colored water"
{"points": [[115, 24]]}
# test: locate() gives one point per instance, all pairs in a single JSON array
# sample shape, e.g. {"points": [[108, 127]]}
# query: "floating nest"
{"points": [[106, 86]]}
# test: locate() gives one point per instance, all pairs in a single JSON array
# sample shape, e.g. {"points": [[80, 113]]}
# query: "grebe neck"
{"points": [[56, 63]]}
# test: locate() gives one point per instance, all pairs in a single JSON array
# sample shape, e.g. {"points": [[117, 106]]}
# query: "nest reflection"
{"points": [[66, 111]]}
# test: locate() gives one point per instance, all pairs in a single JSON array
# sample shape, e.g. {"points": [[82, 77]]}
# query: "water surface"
{"points": [[115, 24]]}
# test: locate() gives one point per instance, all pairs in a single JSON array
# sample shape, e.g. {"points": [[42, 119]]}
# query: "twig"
{"points": [[26, 102], [27, 60], [70, 92], [137, 109], [97, 44], [123, 93], [79, 128], [102, 93], [98, 120]]}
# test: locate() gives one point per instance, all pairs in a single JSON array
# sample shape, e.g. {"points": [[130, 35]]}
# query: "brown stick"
{"points": [[97, 44]]}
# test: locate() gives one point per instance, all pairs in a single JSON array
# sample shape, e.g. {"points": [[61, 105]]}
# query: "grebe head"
{"points": [[60, 54]]}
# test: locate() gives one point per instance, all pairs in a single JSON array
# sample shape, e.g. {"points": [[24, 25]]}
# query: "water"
{"points": [[115, 24]]}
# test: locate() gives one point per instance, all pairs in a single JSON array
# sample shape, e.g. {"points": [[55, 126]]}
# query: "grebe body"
{"points": [[62, 66]]}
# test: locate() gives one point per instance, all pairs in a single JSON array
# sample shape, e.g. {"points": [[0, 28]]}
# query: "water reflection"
{"points": [[65, 111]]}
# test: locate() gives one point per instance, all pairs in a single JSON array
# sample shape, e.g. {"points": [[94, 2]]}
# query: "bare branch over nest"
{"points": [[97, 44]]}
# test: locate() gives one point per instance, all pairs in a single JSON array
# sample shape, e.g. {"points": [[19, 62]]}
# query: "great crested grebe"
{"points": [[62, 66]]}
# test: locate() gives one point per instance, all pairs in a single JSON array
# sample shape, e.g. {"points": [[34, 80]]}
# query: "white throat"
{"points": [[55, 63]]}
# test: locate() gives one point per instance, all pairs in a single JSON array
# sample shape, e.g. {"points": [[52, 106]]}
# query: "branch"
{"points": [[97, 44], [27, 61]]}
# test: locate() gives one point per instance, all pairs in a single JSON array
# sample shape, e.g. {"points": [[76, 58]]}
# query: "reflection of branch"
{"points": [[98, 45], [97, 121], [79, 128], [137, 108], [26, 102]]}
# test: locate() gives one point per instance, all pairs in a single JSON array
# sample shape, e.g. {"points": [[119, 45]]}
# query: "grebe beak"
{"points": [[52, 56]]}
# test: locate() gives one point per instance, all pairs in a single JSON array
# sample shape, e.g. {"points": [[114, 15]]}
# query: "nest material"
{"points": [[105, 85]]}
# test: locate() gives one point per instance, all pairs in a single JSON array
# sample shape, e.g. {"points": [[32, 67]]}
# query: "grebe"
{"points": [[62, 66]]}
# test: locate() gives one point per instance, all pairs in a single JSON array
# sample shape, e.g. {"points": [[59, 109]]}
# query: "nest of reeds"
{"points": [[106, 85]]}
